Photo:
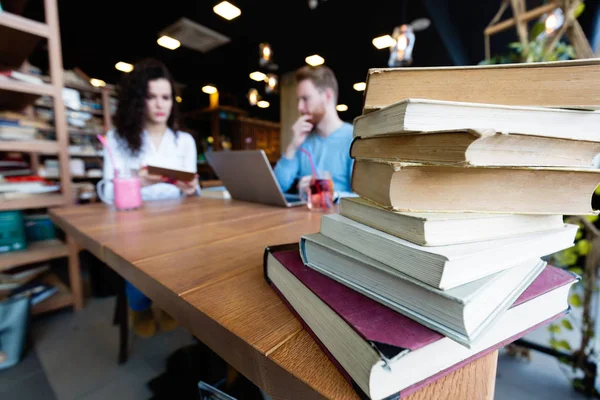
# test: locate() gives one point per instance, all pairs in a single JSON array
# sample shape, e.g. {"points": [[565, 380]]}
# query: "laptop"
{"points": [[248, 176]]}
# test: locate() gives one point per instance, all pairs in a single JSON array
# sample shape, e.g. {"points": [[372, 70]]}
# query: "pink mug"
{"points": [[127, 192]]}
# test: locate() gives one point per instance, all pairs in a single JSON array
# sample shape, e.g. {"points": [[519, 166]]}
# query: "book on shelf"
{"points": [[13, 118], [566, 84], [18, 133], [445, 267], [463, 313], [440, 229], [384, 354], [432, 115], [13, 166], [20, 76], [476, 148], [419, 187], [19, 276]]}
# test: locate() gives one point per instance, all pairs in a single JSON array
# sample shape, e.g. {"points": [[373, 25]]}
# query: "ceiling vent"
{"points": [[195, 36]]}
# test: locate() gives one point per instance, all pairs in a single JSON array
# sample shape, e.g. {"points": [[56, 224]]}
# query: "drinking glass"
{"points": [[318, 192]]}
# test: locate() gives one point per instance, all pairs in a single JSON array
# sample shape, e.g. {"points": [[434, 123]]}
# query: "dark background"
{"points": [[97, 34]]}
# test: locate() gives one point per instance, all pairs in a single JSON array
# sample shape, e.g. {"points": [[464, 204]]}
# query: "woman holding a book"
{"points": [[147, 134]]}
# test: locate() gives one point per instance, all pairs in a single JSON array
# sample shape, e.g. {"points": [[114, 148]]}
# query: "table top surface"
{"points": [[202, 261]]}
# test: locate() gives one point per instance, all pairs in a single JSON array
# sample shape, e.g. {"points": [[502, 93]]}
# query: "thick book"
{"points": [[476, 148], [463, 313], [445, 267], [441, 229], [414, 187], [568, 84], [384, 354], [422, 115]]}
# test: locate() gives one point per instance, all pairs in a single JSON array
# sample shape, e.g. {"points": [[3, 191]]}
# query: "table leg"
{"points": [[75, 274], [122, 318]]}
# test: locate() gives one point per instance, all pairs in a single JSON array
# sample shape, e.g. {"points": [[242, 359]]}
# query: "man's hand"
{"points": [[300, 131], [303, 183]]}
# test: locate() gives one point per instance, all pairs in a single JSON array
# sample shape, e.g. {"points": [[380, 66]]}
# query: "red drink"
{"points": [[320, 194]]}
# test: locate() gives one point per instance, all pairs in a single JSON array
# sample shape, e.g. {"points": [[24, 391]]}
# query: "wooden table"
{"points": [[201, 261]]}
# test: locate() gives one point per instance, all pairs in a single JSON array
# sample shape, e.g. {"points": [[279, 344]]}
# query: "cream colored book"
{"points": [[445, 267], [463, 313], [412, 187], [478, 149], [441, 229], [423, 115], [569, 84]]}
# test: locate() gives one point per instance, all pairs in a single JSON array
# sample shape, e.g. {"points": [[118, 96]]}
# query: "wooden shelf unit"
{"points": [[40, 89], [61, 299], [17, 95], [35, 252], [37, 201], [23, 26], [32, 146], [16, 29]]}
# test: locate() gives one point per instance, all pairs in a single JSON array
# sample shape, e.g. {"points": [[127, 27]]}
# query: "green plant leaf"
{"points": [[575, 300], [564, 360], [566, 257], [538, 28], [553, 328], [515, 45], [591, 218], [567, 324], [579, 234], [577, 12], [554, 344], [564, 344], [583, 247], [576, 270]]}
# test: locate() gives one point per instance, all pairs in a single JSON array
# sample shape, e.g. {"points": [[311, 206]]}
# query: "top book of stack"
{"points": [[563, 84]]}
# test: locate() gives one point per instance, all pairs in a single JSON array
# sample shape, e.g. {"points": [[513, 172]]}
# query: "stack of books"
{"points": [[440, 259]]}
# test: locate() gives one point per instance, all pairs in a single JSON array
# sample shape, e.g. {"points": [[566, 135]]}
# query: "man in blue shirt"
{"points": [[320, 131]]}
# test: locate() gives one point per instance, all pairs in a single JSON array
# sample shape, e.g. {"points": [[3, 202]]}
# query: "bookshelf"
{"points": [[97, 113], [31, 146], [36, 252], [22, 36]]}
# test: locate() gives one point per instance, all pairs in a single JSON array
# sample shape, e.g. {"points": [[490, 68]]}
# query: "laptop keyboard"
{"points": [[291, 197]]}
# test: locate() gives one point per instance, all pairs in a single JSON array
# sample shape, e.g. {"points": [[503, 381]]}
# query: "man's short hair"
{"points": [[321, 76]]}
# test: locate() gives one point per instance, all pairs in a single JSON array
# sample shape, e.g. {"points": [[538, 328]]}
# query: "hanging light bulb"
{"points": [[551, 23], [401, 52], [253, 97], [554, 21], [272, 81], [266, 54]]}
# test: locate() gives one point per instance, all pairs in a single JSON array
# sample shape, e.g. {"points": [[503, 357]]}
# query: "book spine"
{"points": [[342, 371], [275, 249]]}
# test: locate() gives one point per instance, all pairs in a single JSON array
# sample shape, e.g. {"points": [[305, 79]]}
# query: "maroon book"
{"points": [[393, 335]]}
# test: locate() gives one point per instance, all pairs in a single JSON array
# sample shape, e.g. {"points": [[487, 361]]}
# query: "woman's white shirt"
{"points": [[174, 152]]}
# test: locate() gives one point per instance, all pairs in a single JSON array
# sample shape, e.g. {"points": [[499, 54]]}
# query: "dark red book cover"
{"points": [[385, 329]]}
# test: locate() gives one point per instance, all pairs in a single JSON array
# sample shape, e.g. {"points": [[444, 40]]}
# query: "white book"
{"points": [[440, 229], [446, 267], [463, 313], [423, 115]]}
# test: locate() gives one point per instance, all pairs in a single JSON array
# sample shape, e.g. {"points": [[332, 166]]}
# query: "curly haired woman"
{"points": [[147, 134]]}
